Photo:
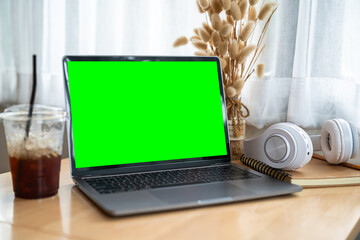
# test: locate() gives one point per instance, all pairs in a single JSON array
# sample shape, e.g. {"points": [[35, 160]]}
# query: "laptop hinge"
{"points": [[223, 163], [89, 175], [111, 174]]}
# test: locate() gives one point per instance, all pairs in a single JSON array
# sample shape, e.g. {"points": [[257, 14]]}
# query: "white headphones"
{"points": [[339, 141], [286, 146]]}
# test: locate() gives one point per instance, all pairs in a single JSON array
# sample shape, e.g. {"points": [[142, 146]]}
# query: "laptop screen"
{"points": [[125, 112]]}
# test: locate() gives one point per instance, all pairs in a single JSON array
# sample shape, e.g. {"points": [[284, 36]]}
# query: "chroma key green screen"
{"points": [[143, 111]]}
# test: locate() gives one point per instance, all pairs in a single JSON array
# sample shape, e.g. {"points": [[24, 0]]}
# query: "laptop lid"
{"points": [[136, 113]]}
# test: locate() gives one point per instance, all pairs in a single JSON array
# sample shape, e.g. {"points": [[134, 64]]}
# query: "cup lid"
{"points": [[40, 112]]}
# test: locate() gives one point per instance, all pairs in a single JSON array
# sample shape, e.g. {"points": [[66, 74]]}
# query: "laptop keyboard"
{"points": [[169, 178]]}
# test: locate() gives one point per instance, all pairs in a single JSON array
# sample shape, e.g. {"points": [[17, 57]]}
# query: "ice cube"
{"points": [[31, 143], [45, 127]]}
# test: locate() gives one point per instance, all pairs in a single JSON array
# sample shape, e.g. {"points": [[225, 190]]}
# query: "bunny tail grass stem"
{"points": [[253, 31], [256, 54], [254, 59], [249, 75], [266, 27]]}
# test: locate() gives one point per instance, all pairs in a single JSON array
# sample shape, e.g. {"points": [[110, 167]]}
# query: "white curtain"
{"points": [[312, 54], [54, 28], [312, 65]]}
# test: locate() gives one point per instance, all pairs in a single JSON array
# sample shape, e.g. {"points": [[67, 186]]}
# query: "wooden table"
{"points": [[323, 213]]}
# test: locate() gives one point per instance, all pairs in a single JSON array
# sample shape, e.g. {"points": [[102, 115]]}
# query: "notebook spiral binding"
{"points": [[265, 169]]}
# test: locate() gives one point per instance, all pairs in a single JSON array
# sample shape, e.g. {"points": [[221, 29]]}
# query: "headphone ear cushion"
{"points": [[331, 142], [336, 141], [355, 137]]}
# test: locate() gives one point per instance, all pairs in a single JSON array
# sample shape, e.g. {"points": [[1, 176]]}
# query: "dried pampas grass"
{"points": [[253, 2], [240, 44], [252, 14], [265, 11], [246, 52], [180, 41], [228, 34], [207, 28], [235, 11], [225, 30], [204, 4], [247, 30], [216, 39], [226, 4], [194, 37], [215, 21], [196, 31], [243, 8], [216, 6], [201, 10], [199, 44], [239, 84], [260, 69], [223, 63], [204, 35], [230, 19], [223, 47], [233, 49], [201, 53], [231, 91]]}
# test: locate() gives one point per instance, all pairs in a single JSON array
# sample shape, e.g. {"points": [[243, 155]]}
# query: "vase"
{"points": [[236, 142]]}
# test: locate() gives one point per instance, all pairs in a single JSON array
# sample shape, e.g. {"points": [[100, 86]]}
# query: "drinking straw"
{"points": [[32, 98]]}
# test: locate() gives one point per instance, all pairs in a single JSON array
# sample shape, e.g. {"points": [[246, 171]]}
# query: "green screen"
{"points": [[139, 111]]}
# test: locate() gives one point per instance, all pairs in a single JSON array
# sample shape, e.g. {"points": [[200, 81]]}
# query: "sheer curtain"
{"points": [[312, 54], [312, 65], [54, 28]]}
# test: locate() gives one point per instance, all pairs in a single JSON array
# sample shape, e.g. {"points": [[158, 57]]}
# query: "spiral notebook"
{"points": [[317, 173]]}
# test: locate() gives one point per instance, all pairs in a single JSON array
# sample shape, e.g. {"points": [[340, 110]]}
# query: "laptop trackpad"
{"points": [[199, 192]]}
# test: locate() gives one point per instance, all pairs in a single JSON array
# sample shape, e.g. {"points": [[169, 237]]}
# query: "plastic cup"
{"points": [[34, 159]]}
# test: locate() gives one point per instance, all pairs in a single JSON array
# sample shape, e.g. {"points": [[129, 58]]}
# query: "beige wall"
{"points": [[4, 160]]}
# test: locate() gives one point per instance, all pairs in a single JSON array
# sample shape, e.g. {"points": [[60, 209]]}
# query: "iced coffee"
{"points": [[35, 158]]}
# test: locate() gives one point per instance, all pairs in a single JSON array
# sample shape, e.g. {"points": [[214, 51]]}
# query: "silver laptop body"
{"points": [[79, 72]]}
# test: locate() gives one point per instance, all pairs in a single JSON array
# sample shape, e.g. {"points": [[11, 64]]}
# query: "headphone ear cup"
{"points": [[355, 137], [336, 141], [283, 146], [331, 141]]}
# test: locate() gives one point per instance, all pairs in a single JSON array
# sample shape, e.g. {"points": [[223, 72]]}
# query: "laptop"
{"points": [[150, 133]]}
